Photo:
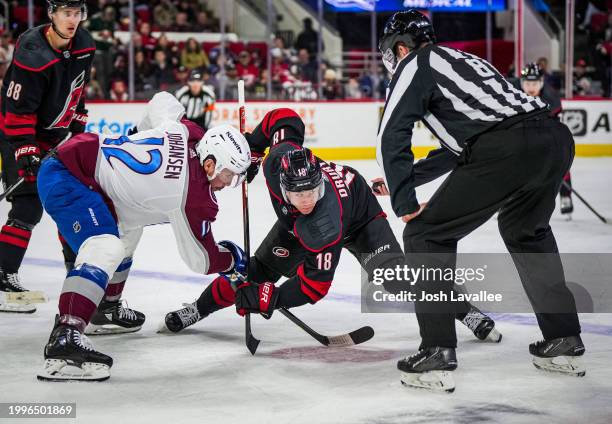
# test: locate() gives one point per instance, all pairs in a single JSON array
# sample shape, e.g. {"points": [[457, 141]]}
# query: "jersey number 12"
{"points": [[155, 156]]}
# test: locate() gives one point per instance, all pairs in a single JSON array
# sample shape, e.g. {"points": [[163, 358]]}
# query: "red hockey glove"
{"points": [[252, 298], [27, 157]]}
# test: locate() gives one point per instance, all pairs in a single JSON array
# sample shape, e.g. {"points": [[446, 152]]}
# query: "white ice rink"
{"points": [[206, 375]]}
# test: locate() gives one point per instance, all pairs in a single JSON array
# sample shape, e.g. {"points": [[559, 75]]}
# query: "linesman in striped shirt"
{"points": [[505, 153], [198, 100]]}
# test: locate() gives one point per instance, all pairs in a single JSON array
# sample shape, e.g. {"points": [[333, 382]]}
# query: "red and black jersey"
{"points": [[346, 207], [42, 96]]}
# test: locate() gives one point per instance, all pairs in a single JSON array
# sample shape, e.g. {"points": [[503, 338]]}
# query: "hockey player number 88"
{"points": [[155, 156], [13, 91]]}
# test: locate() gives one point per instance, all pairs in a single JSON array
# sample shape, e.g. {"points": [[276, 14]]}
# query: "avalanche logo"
{"points": [[64, 119]]}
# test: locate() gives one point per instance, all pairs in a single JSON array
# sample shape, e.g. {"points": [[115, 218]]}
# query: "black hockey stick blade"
{"points": [[358, 336], [251, 341]]}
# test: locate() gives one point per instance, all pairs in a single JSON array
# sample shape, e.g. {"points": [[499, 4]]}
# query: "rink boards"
{"points": [[347, 129]]}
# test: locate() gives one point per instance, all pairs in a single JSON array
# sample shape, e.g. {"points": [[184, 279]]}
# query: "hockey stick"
{"points": [[250, 340], [567, 186], [358, 336], [21, 180]]}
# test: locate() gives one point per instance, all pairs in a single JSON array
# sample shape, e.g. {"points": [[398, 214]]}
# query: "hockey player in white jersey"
{"points": [[102, 191]]}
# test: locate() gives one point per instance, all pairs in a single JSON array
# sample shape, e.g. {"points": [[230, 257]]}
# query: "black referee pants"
{"points": [[517, 171]]}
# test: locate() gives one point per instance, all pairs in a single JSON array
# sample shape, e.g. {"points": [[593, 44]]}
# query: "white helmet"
{"points": [[228, 148]]}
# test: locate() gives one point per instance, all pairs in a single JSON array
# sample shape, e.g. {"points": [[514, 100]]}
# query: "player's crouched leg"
{"points": [[89, 227]]}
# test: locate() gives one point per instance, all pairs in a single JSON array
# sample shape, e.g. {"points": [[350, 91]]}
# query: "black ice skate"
{"points": [[178, 320], [112, 317], [562, 355], [481, 325], [430, 368], [69, 355], [13, 296], [567, 207]]}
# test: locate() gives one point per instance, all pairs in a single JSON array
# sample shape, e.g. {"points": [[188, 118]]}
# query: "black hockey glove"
{"points": [[78, 124], [253, 170], [27, 157], [253, 298]]}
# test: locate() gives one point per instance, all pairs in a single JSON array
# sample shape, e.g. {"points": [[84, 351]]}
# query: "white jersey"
{"points": [[153, 177]]}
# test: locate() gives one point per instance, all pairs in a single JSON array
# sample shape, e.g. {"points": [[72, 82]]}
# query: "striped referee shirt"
{"points": [[198, 108], [456, 95]]}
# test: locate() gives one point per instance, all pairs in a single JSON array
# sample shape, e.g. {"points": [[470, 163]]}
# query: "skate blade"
{"points": [[60, 370], [162, 328], [494, 336], [435, 381], [103, 330], [23, 298], [568, 365], [16, 308]]}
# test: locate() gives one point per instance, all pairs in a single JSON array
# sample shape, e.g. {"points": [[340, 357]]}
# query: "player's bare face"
{"points": [[304, 201], [67, 19], [531, 88]]}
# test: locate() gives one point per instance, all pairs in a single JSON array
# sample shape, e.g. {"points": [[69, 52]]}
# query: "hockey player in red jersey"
{"points": [[42, 102], [321, 208], [101, 191]]}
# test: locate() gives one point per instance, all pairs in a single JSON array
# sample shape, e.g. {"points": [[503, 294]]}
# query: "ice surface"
{"points": [[206, 375]]}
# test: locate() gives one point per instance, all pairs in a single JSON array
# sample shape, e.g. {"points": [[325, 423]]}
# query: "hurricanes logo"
{"points": [[64, 118], [281, 252]]}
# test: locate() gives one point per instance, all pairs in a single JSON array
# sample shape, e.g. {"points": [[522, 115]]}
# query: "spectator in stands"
{"points": [[148, 41], [260, 88], [142, 72], [285, 53], [307, 39], [307, 68], [102, 27], [164, 14], [246, 70], [332, 89], [171, 50], [603, 57], [549, 79], [193, 56], [182, 75], [280, 69], [93, 90], [582, 83], [353, 89], [204, 23], [181, 23], [231, 82], [118, 91], [120, 70], [197, 99], [186, 8], [162, 72], [210, 80], [6, 52]]}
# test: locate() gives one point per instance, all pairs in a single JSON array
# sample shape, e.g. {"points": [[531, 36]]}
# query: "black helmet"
{"points": [[195, 75], [410, 27], [300, 170], [531, 72], [53, 5]]}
